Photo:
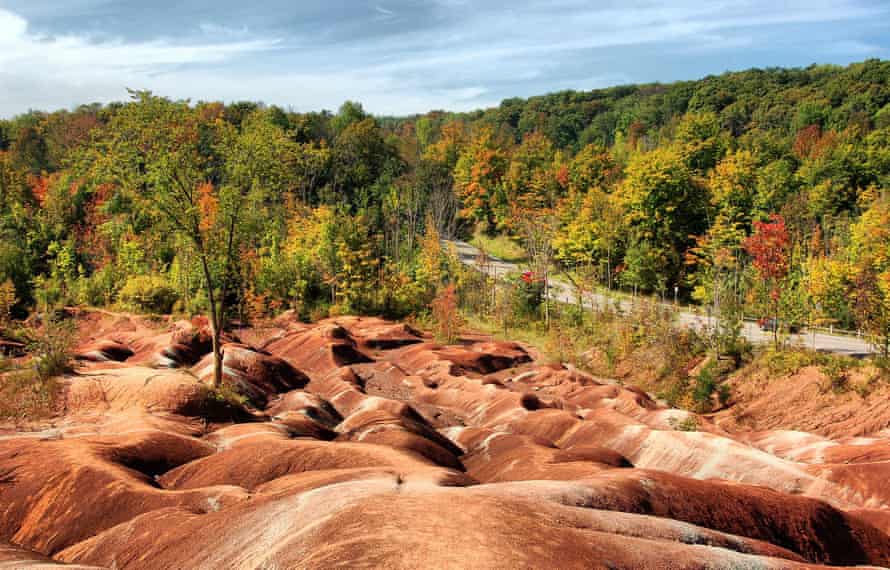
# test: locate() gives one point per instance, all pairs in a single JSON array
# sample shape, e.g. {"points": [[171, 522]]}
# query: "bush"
{"points": [[7, 302], [49, 292], [836, 370], [446, 317], [148, 294], [690, 423], [53, 347], [26, 396], [98, 289], [784, 362], [705, 385], [526, 294], [882, 364]]}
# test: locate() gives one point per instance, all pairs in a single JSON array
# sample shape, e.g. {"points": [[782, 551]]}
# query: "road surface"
{"points": [[562, 292]]}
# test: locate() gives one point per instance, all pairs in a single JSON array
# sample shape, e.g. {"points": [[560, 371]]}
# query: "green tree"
{"points": [[663, 207], [156, 148], [733, 184], [871, 272], [716, 259]]}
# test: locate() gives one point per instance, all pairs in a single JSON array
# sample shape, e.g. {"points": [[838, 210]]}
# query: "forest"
{"points": [[761, 193]]}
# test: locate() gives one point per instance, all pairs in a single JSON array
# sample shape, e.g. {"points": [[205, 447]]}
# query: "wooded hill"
{"points": [[764, 188]]}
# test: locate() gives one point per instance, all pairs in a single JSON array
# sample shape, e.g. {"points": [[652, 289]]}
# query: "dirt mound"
{"points": [[257, 375], [14, 558], [158, 343], [105, 351], [805, 401], [57, 493], [319, 350], [138, 389], [370, 519], [364, 443]]}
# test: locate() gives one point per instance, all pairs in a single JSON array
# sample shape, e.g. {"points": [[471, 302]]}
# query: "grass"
{"points": [[499, 246], [537, 337], [790, 360], [25, 395], [842, 374], [29, 389], [688, 424]]}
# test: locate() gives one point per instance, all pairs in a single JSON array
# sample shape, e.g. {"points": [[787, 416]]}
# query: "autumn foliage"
{"points": [[768, 248], [447, 319]]}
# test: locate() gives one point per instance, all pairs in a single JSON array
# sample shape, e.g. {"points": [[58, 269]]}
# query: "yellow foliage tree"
{"points": [[7, 302]]}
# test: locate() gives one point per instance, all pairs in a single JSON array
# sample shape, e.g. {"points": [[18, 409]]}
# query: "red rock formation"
{"points": [[363, 443]]}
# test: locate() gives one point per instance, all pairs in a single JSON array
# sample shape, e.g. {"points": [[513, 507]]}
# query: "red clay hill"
{"points": [[361, 443]]}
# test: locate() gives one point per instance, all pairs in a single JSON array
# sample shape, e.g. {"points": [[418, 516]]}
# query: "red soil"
{"points": [[361, 443]]}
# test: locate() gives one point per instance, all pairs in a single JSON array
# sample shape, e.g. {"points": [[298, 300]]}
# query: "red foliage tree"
{"points": [[807, 140], [812, 143], [768, 247], [39, 188]]}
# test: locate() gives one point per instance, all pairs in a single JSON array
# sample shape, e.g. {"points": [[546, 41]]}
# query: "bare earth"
{"points": [[364, 444]]}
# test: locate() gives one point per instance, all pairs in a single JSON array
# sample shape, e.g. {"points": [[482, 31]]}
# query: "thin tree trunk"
{"points": [[215, 332]]}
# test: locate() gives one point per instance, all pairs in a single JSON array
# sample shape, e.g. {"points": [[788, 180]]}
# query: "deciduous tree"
{"points": [[768, 248]]}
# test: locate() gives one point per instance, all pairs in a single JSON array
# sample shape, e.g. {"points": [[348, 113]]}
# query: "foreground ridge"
{"points": [[361, 442]]}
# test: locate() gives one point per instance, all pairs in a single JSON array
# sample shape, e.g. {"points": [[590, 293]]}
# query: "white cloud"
{"points": [[94, 70], [461, 55]]}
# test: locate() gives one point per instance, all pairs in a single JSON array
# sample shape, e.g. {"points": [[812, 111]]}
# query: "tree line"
{"points": [[762, 192]]}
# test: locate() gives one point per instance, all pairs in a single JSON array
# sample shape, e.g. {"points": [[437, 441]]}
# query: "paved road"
{"points": [[562, 292]]}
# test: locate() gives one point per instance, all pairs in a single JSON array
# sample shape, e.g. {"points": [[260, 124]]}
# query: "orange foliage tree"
{"points": [[446, 317]]}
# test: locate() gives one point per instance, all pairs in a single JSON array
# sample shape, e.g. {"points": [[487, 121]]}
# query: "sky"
{"points": [[399, 57]]}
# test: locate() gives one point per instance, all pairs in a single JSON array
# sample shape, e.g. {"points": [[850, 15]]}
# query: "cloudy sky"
{"points": [[406, 56]]}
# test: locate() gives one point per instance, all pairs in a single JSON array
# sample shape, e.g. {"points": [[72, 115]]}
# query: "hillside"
{"points": [[763, 192], [358, 440]]}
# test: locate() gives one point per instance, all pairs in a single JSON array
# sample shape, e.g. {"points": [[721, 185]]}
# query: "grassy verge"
{"points": [[841, 373], [640, 347], [499, 246], [534, 335]]}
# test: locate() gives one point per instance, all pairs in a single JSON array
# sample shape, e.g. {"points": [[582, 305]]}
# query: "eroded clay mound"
{"points": [[358, 442], [255, 374]]}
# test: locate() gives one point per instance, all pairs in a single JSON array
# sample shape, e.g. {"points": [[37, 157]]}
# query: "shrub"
{"points": [[836, 371], [98, 289], [48, 292], [724, 394], [319, 312], [446, 318], [524, 295], [52, 347], [783, 362], [610, 352], [705, 385], [690, 423], [25, 395], [148, 293], [7, 302], [882, 363]]}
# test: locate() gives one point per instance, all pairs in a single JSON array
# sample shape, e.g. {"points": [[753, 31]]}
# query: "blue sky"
{"points": [[406, 56]]}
